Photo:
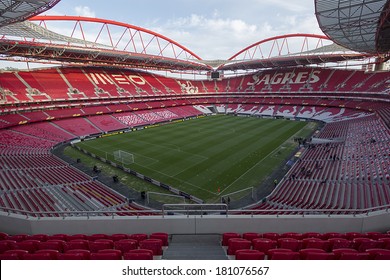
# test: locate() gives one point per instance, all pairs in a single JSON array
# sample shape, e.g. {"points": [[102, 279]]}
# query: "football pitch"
{"points": [[206, 157]]}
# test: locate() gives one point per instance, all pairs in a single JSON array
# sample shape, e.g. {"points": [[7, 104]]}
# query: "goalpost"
{"points": [[237, 195], [123, 157]]}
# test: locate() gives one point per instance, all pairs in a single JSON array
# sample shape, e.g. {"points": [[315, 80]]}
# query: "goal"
{"points": [[123, 157]]}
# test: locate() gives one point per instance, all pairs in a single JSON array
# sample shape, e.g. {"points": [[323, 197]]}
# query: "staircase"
{"points": [[195, 247]]}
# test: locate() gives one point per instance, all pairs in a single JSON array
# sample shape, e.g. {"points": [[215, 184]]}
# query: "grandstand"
{"points": [[337, 182]]}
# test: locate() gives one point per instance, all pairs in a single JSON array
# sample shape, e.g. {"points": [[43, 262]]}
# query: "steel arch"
{"points": [[278, 46], [131, 38]]}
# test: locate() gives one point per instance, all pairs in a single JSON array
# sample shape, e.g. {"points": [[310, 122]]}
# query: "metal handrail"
{"points": [[200, 209]]}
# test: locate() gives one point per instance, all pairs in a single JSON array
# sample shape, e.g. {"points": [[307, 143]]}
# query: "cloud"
{"points": [[219, 37], [84, 11]]}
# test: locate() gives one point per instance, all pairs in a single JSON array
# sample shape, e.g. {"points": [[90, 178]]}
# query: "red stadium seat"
{"points": [[250, 235], [6, 245], [352, 235], [311, 235], [294, 235], [152, 244], [380, 254], [276, 250], [235, 244], [77, 237], [97, 236], [139, 236], [29, 245], [17, 237], [304, 252], [248, 254], [9, 257], [17, 253], [385, 243], [119, 236], [100, 244], [362, 244], [315, 243], [290, 243], [339, 243], [39, 237], [338, 252], [58, 245], [3, 236], [86, 254], [37, 256], [72, 256], [264, 244], [126, 245], [320, 256], [280, 255], [376, 235], [353, 256], [108, 254], [160, 235], [76, 244], [329, 235], [227, 235], [271, 235], [54, 254], [63, 237], [139, 254]]}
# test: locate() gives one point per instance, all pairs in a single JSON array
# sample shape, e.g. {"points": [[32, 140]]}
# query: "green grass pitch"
{"points": [[206, 157]]}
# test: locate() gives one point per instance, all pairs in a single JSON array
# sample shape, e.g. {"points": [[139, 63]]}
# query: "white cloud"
{"points": [[218, 37], [84, 11]]}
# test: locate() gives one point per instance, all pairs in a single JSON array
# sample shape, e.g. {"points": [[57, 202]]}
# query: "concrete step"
{"points": [[195, 247]]}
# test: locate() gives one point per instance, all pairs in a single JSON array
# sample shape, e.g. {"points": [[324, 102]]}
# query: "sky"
{"points": [[213, 29]]}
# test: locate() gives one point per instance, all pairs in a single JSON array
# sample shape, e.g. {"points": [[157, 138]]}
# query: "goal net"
{"points": [[248, 193], [123, 157]]}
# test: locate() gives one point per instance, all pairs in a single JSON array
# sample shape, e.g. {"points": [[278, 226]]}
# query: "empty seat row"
{"points": [[299, 236], [313, 254], [78, 254]]}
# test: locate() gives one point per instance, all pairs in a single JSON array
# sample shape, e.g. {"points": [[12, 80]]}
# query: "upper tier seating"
{"points": [[93, 83], [351, 173]]}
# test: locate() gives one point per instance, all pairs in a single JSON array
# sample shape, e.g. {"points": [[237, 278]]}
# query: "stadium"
{"points": [[125, 144]]}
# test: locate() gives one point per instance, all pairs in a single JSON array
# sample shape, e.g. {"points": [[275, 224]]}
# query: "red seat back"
{"points": [[247, 254], [152, 244], [339, 243], [108, 254], [58, 245], [16, 252], [100, 244], [279, 255], [76, 244], [160, 235], [6, 245], [290, 243], [139, 236], [228, 235], [235, 244], [271, 235], [29, 245], [53, 253], [315, 243], [139, 254], [86, 254], [126, 245], [264, 244], [303, 253], [250, 235]]}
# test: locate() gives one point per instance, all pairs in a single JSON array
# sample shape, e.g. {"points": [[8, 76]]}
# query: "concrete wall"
{"points": [[208, 224]]}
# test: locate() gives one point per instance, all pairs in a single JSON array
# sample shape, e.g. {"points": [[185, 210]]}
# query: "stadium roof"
{"points": [[12, 11], [117, 44], [360, 25]]}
